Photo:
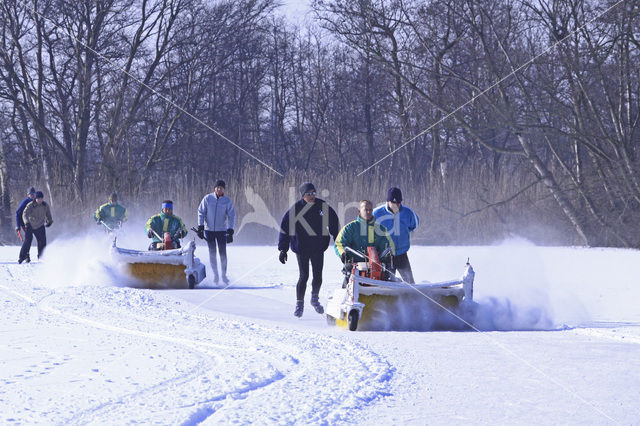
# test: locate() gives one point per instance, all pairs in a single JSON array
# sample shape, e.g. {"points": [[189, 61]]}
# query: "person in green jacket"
{"points": [[111, 215], [362, 233], [163, 222]]}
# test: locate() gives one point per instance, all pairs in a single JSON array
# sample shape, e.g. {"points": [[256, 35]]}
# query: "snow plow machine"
{"points": [[373, 298], [168, 268]]}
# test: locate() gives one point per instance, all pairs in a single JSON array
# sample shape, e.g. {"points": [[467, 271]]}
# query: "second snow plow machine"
{"points": [[161, 269], [373, 298]]}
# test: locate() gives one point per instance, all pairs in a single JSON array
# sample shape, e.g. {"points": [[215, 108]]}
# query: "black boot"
{"points": [[299, 308], [316, 304]]}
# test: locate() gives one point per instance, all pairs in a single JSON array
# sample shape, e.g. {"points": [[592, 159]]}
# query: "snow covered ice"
{"points": [[561, 344]]}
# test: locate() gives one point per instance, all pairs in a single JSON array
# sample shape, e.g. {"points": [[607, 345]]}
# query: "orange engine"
{"points": [[374, 267], [374, 262], [168, 243]]}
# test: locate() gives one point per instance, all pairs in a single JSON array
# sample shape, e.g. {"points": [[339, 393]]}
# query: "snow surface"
{"points": [[560, 344]]}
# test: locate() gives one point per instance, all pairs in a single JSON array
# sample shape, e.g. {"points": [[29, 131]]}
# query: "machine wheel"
{"points": [[352, 319], [192, 281], [331, 320]]}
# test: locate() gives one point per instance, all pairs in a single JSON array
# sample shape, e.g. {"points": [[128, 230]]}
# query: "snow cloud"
{"points": [[80, 261]]}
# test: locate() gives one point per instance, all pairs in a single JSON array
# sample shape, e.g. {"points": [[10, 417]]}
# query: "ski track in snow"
{"points": [[213, 366]]}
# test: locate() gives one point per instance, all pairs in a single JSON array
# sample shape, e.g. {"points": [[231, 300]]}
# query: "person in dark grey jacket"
{"points": [[216, 219], [306, 227]]}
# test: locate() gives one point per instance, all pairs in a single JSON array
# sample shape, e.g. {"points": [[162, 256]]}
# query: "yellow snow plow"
{"points": [[177, 268], [373, 298]]}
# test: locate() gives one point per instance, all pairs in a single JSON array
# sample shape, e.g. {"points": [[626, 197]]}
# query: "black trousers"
{"points": [[41, 237], [401, 264], [218, 238], [317, 263]]}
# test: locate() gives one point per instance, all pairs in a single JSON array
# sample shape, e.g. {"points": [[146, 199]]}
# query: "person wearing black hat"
{"points": [[216, 219], [111, 215], [31, 195], [36, 216], [400, 222], [305, 228]]}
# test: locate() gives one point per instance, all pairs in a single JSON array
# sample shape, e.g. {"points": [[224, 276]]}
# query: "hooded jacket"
{"points": [[399, 225], [216, 214]]}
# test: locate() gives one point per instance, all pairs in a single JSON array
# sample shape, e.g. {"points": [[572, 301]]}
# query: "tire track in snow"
{"points": [[361, 390], [310, 354], [206, 348], [308, 365], [211, 357]]}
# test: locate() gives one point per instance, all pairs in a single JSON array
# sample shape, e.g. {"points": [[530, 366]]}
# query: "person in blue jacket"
{"points": [[400, 222], [31, 195], [306, 227], [216, 219]]}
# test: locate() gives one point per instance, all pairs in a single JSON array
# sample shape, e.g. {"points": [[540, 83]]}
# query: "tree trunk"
{"points": [[5, 198], [561, 198]]}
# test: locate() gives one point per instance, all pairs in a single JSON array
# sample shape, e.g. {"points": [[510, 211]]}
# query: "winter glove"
{"points": [[17, 229], [99, 223], [200, 232], [343, 257], [229, 236], [283, 256], [150, 233], [48, 224], [180, 234]]}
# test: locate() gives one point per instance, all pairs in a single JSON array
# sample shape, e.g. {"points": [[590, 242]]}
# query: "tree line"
{"points": [[491, 114]]}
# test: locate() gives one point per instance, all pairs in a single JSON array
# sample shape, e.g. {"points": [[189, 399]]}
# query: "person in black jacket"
{"points": [[306, 227], [20, 226]]}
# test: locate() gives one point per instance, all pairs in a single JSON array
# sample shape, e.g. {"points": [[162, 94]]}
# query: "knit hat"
{"points": [[113, 197], [220, 183], [307, 187], [394, 195], [31, 190], [39, 194]]}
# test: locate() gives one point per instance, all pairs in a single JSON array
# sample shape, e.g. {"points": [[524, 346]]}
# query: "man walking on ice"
{"points": [[306, 227]]}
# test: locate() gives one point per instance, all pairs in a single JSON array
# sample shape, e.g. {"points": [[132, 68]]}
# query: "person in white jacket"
{"points": [[216, 219]]}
